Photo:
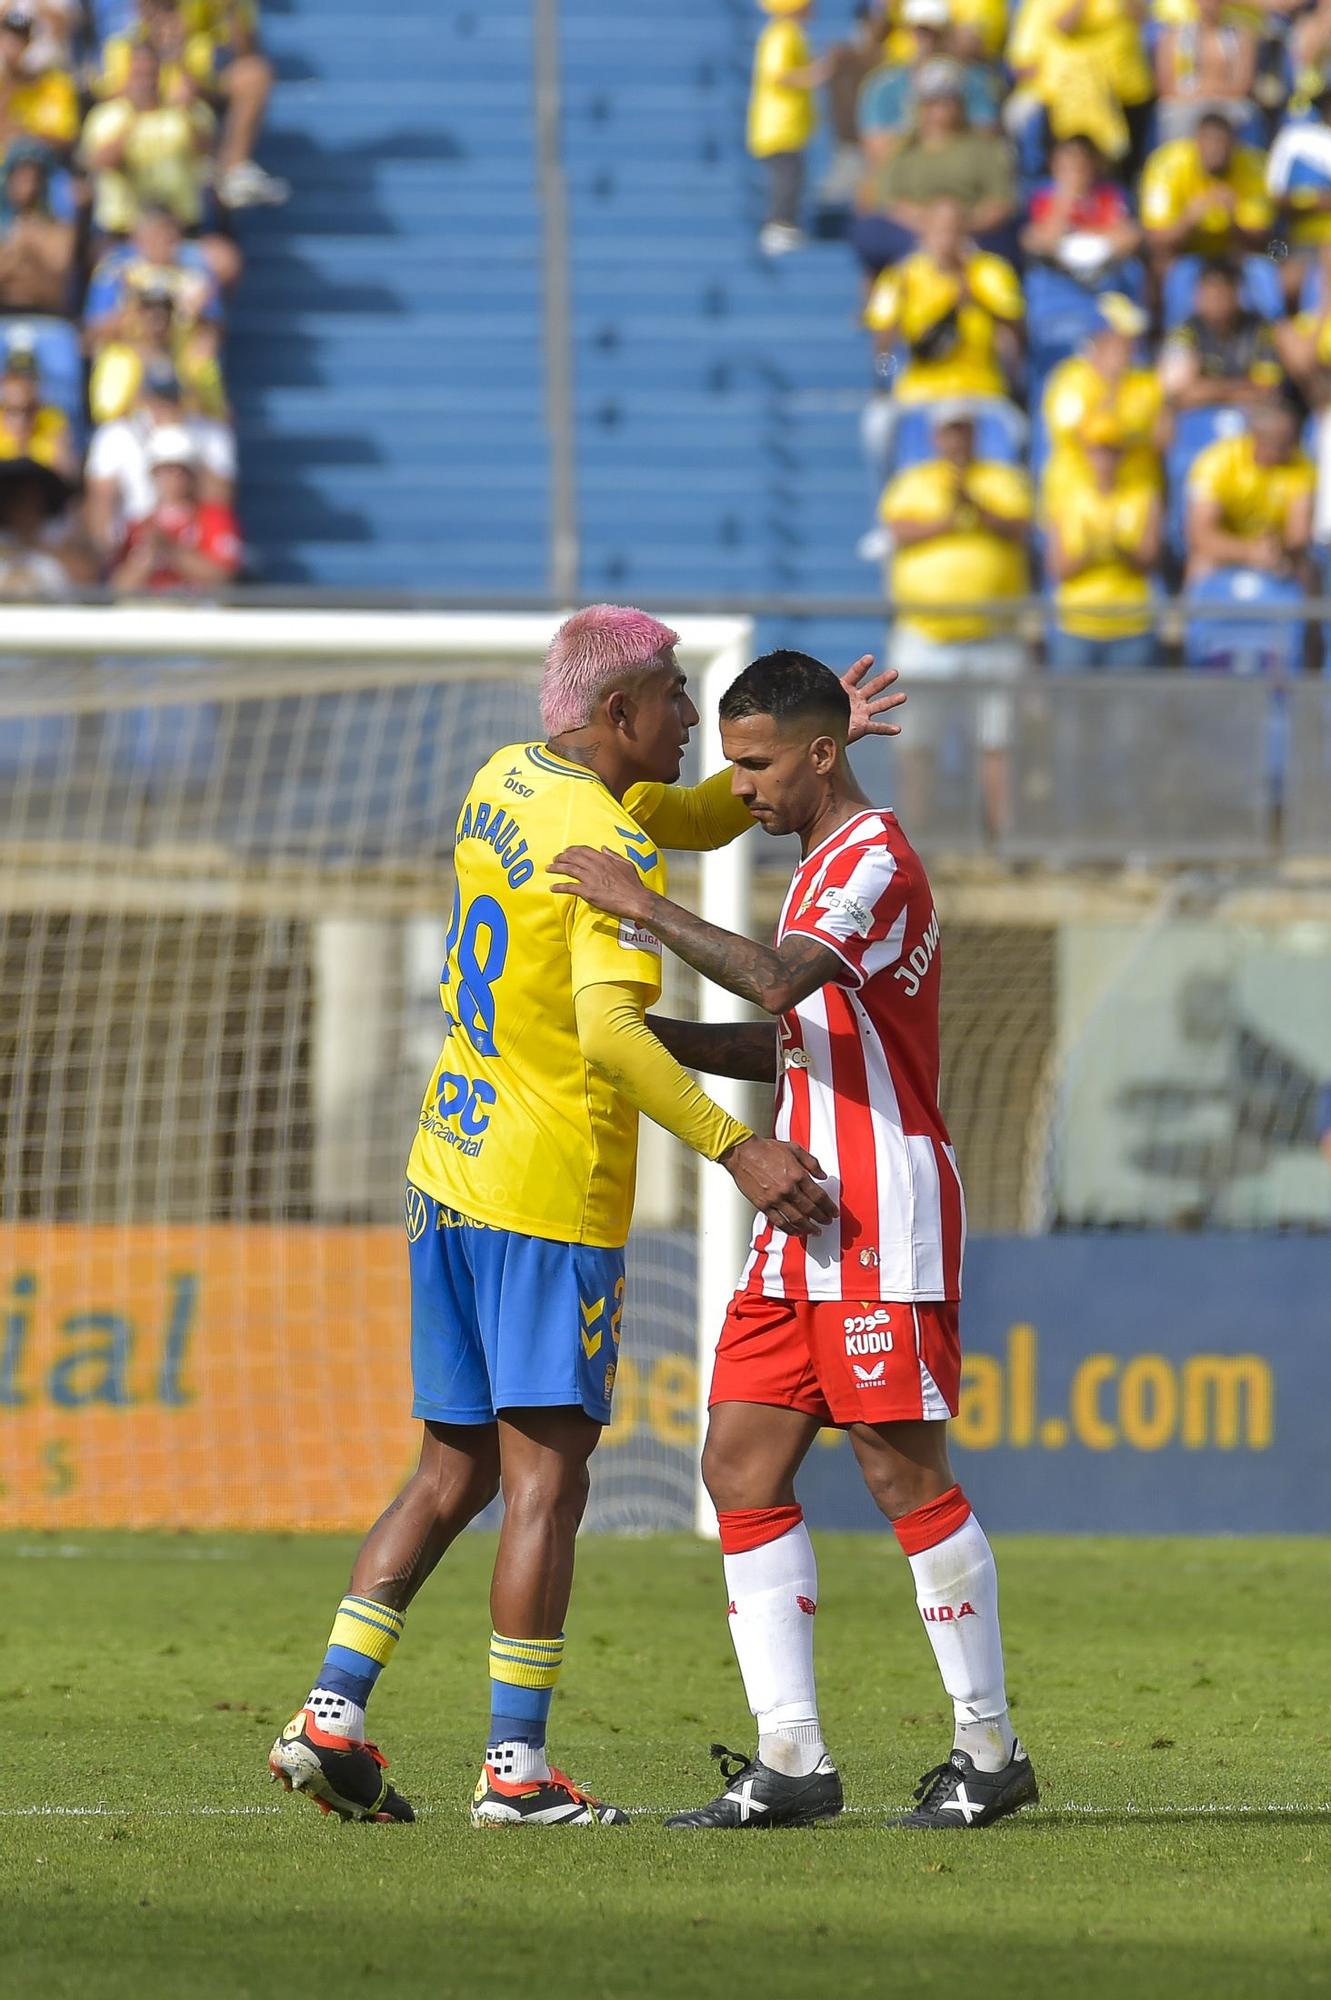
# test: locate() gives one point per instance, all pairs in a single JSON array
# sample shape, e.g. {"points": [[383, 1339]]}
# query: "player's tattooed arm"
{"points": [[745, 1050], [771, 979]]}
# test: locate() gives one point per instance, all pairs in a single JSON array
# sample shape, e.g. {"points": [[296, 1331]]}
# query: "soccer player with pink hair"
{"points": [[586, 654], [519, 1198]]}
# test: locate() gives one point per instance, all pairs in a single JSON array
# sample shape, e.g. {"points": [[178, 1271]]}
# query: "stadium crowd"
{"points": [[127, 135], [1095, 240]]}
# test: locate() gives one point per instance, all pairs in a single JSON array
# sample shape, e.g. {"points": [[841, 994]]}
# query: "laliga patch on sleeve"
{"points": [[846, 914], [634, 937]]}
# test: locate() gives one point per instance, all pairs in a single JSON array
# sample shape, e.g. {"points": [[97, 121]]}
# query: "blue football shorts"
{"points": [[501, 1321]]}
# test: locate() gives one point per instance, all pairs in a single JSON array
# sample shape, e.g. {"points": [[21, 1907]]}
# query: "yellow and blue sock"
{"points": [[523, 1673], [360, 1645]]}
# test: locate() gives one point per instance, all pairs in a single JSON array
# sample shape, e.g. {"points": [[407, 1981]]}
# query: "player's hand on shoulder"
{"points": [[782, 1181], [871, 700], [602, 878]]}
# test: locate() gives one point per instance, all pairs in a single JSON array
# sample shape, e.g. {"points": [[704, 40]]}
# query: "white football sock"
{"points": [[773, 1593], [336, 1714], [518, 1763], [956, 1588]]}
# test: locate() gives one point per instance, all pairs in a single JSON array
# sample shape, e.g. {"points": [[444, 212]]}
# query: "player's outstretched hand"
{"points": [[779, 1179], [605, 880], [870, 700]]}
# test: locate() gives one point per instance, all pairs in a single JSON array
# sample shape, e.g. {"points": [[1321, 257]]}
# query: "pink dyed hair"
{"points": [[590, 651]]}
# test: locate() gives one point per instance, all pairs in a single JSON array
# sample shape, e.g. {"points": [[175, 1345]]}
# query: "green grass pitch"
{"points": [[1153, 1681]]}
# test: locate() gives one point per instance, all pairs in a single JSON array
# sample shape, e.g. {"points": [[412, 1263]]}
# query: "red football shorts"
{"points": [[840, 1360]]}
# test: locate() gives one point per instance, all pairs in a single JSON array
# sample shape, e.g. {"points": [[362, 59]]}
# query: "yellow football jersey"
{"points": [[516, 1130], [782, 116]]}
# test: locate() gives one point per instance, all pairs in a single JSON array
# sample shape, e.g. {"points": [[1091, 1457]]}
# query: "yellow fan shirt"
{"points": [[1077, 391], [1093, 527], [1174, 176], [1253, 499], [196, 64], [968, 562], [517, 1129], [214, 17], [49, 442], [46, 107], [782, 117], [951, 341], [164, 161], [1083, 79]]}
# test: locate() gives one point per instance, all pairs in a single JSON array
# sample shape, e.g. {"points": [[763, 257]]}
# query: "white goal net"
{"points": [[225, 874]]}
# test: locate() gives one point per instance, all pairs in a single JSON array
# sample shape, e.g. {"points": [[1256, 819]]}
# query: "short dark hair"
{"points": [[789, 687], [1218, 119], [1220, 267]]}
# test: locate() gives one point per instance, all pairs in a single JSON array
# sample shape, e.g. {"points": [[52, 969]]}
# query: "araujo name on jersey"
{"points": [[498, 829]]}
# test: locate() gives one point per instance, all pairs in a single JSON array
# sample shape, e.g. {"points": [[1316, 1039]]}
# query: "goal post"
{"points": [[723, 1217], [225, 865]]}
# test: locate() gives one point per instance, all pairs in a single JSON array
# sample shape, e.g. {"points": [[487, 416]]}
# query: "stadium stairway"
{"points": [[386, 348], [717, 390]]}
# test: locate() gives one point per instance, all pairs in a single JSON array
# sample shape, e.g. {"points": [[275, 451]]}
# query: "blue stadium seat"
{"points": [[111, 17], [1244, 645], [1060, 312]]}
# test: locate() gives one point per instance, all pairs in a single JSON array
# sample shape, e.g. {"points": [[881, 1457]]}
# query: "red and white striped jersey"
{"points": [[859, 1082]]}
